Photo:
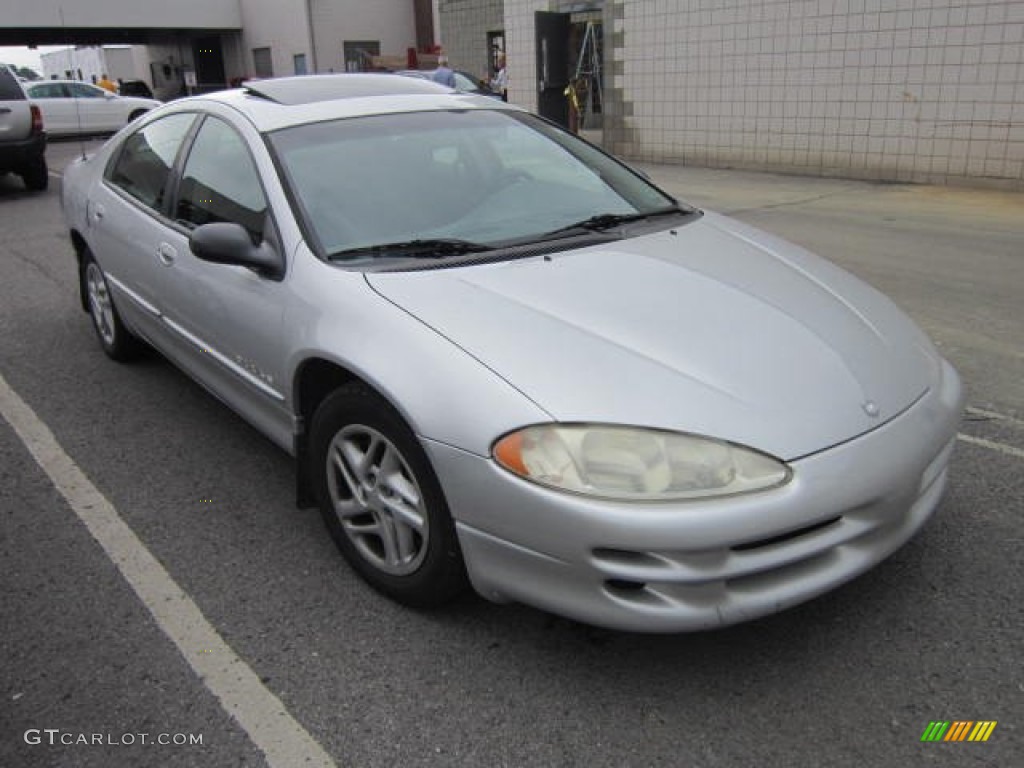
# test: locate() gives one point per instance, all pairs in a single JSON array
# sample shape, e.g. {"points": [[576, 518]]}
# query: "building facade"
{"points": [[899, 90], [295, 37], [196, 45]]}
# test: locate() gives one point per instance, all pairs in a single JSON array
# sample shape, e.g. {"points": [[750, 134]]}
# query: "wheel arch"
{"points": [[315, 379]]}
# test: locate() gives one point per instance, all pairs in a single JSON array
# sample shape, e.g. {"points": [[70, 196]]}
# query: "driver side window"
{"points": [[83, 91], [220, 182]]}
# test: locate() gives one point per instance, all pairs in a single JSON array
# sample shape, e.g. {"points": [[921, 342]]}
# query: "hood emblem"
{"points": [[871, 408]]}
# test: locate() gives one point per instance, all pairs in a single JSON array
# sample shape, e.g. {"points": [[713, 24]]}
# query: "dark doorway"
{"points": [[359, 54], [553, 66], [208, 55], [586, 71], [424, 15]]}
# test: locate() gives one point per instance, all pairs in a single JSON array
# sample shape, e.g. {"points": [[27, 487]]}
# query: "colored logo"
{"points": [[958, 730]]}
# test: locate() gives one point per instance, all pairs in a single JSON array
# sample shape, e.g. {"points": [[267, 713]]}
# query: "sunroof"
{"points": [[306, 89]]}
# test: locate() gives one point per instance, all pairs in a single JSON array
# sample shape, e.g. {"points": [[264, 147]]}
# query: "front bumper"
{"points": [[674, 567]]}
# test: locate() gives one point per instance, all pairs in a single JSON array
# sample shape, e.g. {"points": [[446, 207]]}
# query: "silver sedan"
{"points": [[502, 358]]}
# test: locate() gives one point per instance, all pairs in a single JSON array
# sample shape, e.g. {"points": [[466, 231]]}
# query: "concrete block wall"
{"points": [[904, 90], [901, 90], [464, 25]]}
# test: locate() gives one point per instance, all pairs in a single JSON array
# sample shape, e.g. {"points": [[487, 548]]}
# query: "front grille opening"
{"points": [[785, 536], [625, 585]]}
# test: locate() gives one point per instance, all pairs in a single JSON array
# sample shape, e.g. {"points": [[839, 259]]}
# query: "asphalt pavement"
{"points": [[150, 496]]}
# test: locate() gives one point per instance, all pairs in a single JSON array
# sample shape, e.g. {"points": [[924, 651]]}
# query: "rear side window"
{"points": [[47, 91], [142, 166], [9, 88], [220, 183]]}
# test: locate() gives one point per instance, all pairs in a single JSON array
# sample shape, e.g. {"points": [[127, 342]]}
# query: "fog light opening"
{"points": [[625, 585]]}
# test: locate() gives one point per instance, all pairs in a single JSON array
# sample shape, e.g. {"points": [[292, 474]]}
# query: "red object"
{"points": [[412, 61], [37, 119]]}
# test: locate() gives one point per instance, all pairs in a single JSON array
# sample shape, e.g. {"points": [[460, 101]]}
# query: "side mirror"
{"points": [[230, 243], [108, 95]]}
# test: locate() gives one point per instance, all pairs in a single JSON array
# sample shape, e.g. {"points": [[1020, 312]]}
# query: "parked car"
{"points": [[71, 107], [464, 81], [134, 88], [22, 138], [498, 355]]}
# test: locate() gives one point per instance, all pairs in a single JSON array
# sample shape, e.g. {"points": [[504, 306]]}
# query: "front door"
{"points": [[553, 66], [227, 318]]}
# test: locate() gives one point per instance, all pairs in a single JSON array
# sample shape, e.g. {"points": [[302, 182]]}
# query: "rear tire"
{"points": [[37, 175], [117, 341], [381, 500]]}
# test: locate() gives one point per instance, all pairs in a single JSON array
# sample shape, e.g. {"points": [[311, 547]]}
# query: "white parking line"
{"points": [[1009, 450], [994, 416], [283, 741]]}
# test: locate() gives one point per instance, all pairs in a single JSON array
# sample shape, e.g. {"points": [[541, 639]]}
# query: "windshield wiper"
{"points": [[608, 220], [427, 248]]}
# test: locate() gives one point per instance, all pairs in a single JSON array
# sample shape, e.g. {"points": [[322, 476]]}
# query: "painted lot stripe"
{"points": [[259, 712], [1009, 450], [994, 416]]}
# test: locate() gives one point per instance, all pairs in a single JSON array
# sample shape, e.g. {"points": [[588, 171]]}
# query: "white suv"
{"points": [[22, 139]]}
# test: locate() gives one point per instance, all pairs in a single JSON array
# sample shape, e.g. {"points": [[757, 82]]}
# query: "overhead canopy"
{"points": [[59, 22], [33, 36]]}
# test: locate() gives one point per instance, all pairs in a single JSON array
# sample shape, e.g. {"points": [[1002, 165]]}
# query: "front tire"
{"points": [[117, 341], [381, 500]]}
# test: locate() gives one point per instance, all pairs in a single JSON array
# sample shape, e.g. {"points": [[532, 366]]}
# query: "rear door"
{"points": [[126, 221], [57, 106]]}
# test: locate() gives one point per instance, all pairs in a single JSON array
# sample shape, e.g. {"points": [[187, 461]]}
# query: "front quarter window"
{"points": [[142, 166]]}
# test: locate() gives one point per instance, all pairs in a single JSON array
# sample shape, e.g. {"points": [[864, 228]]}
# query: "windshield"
{"points": [[481, 177]]}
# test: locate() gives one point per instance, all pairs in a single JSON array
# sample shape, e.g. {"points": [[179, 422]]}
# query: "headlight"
{"points": [[635, 464]]}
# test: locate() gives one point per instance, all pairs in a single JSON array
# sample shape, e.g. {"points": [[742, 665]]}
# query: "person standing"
{"points": [[499, 83], [107, 84], [443, 74]]}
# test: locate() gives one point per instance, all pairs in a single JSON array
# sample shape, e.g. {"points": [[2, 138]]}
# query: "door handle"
{"points": [[166, 254]]}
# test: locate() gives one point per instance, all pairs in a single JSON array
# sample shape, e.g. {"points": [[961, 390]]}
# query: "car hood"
{"points": [[712, 328]]}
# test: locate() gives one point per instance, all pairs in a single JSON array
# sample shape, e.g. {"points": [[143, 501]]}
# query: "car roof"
{"points": [[79, 82], [287, 101]]}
